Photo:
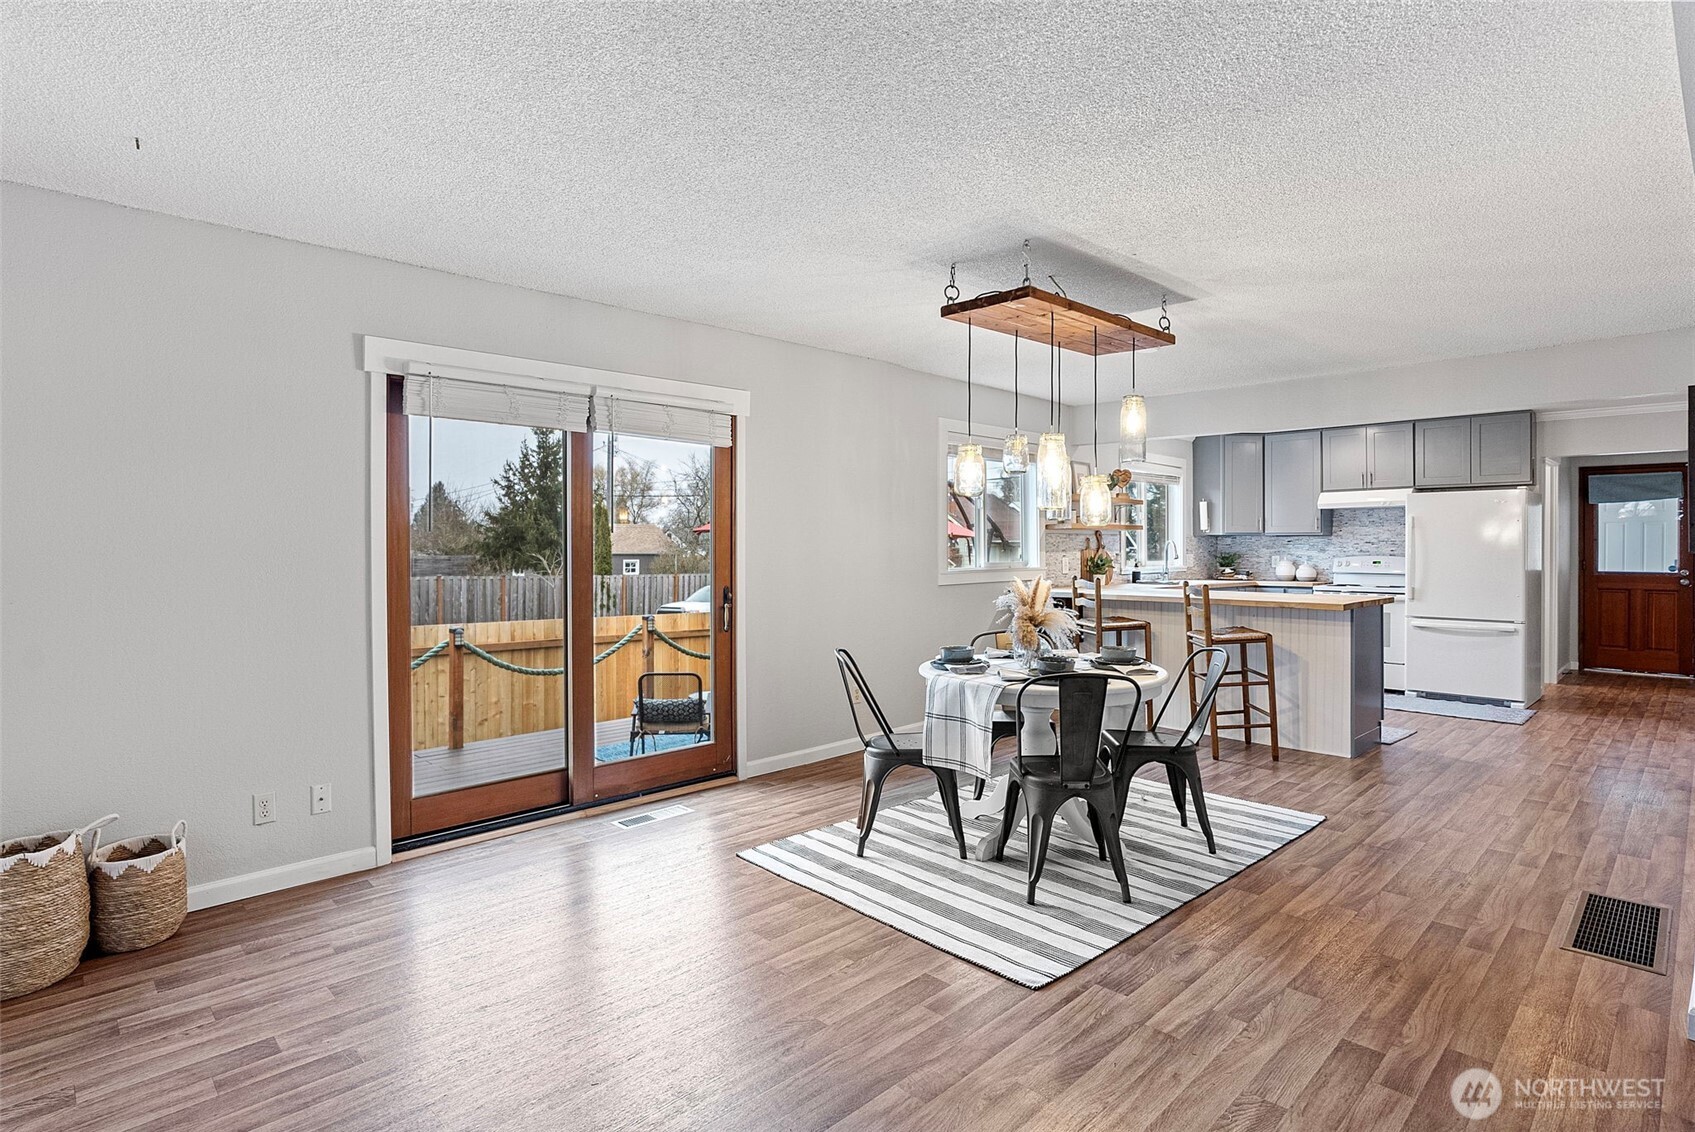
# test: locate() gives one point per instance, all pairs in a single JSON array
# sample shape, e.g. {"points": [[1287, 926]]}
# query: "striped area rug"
{"points": [[912, 879]]}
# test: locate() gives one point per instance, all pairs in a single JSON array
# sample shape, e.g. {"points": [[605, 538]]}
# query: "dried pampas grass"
{"points": [[1033, 614]]}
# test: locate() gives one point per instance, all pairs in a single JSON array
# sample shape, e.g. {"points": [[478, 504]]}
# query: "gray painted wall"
{"points": [[185, 472]]}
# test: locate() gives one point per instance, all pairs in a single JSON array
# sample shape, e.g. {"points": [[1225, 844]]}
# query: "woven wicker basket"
{"points": [[139, 889], [43, 909]]}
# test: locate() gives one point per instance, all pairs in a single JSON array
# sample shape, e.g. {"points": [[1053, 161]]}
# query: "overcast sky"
{"points": [[469, 454]]}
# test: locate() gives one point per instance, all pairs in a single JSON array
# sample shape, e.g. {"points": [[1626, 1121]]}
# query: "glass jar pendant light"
{"points": [[1094, 491], [1015, 452], [1053, 461], [970, 473], [1132, 421]]}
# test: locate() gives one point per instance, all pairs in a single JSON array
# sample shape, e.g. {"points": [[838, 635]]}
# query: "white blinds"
{"points": [[467, 400], [668, 422], [1155, 473]]}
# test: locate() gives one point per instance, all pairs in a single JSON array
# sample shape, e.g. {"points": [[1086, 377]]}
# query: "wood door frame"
{"points": [[591, 784], [409, 816], [1586, 532]]}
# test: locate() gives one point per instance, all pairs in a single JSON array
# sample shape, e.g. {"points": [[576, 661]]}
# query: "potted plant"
{"points": [[1097, 562], [1227, 564]]}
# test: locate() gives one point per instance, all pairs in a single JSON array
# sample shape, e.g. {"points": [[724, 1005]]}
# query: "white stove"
{"points": [[1384, 574]]}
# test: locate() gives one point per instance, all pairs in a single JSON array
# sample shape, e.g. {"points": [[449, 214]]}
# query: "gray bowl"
{"points": [[1053, 665], [955, 654]]}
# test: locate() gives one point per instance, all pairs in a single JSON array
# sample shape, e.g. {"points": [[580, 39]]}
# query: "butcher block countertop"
{"points": [[1244, 593]]}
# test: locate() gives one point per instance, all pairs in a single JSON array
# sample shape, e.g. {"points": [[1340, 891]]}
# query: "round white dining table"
{"points": [[1036, 737]]}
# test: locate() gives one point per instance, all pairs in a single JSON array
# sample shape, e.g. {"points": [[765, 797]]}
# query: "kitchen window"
{"points": [[985, 538], [1160, 487]]}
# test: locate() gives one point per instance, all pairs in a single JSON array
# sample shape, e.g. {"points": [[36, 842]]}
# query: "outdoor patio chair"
{"points": [[669, 703]]}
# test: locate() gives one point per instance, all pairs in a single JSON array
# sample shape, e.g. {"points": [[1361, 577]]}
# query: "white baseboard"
{"points": [[241, 887], [806, 755]]}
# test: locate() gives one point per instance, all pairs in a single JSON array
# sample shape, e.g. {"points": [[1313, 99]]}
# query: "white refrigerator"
{"points": [[1474, 594]]}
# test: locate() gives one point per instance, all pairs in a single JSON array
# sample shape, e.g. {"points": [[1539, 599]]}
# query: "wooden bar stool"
{"points": [[1197, 625], [1103, 626]]}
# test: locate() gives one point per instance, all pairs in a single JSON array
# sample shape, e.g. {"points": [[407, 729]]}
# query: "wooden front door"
{"points": [[1636, 603]]}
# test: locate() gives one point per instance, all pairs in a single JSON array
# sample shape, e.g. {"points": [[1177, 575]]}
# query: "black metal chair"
{"points": [[887, 750], [1179, 754], [668, 703], [1076, 770]]}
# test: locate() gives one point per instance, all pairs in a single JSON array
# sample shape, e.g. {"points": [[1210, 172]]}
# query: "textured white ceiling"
{"points": [[1336, 186]]}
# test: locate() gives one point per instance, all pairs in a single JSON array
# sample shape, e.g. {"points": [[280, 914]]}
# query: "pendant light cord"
{"points": [[1095, 463], [1015, 342], [968, 329], [1050, 372]]}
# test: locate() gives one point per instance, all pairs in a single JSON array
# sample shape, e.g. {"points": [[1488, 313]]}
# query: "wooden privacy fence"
{"points": [[459, 697], [440, 599]]}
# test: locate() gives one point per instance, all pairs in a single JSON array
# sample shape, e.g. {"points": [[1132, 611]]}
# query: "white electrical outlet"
{"points": [[264, 808], [321, 798]]}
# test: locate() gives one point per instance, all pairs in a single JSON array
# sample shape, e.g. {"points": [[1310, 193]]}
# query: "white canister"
{"points": [[1285, 570], [1307, 573]]}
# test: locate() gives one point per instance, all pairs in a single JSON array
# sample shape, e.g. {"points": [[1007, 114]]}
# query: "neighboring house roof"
{"points": [[1002, 516], [640, 538]]}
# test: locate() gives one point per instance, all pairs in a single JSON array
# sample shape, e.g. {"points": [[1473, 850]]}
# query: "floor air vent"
{"points": [[1624, 931], [651, 816]]}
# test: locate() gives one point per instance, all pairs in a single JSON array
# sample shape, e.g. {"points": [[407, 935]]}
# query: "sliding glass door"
{"points": [[561, 621], [662, 542]]}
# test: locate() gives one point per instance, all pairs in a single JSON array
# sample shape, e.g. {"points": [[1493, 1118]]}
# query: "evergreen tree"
{"points": [[525, 530], [602, 539]]}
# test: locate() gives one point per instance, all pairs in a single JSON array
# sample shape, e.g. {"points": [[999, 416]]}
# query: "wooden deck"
{"points": [[439, 770]]}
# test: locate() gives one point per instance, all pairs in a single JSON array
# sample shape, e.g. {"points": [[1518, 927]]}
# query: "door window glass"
{"points": [[1637, 518]]}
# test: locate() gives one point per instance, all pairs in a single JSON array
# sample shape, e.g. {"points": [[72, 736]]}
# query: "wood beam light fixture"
{"points": [[1026, 310]]}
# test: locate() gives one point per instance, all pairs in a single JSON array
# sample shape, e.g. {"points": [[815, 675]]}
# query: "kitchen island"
{"points": [[1328, 647]]}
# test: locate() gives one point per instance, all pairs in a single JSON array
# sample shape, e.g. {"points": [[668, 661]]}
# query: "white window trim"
{"points": [[991, 434], [1176, 517]]}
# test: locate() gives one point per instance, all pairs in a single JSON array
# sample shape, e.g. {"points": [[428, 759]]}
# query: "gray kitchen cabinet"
{"points": [[1501, 449], [1389, 455], [1442, 452], [1243, 506], [1228, 476], [1206, 473], [1293, 479], [1346, 464]]}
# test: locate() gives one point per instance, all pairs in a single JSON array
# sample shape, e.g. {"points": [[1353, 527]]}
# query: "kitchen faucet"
{"points": [[1165, 559]]}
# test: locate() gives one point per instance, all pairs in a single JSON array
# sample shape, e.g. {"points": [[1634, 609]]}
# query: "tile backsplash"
{"points": [[1368, 530]]}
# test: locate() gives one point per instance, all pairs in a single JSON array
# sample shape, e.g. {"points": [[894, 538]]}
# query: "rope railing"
{"points": [[628, 637], [508, 665], [680, 648], [425, 657]]}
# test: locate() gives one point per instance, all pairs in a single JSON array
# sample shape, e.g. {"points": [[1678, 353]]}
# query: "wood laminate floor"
{"points": [[583, 976]]}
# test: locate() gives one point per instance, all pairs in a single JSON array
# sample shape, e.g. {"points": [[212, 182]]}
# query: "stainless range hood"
{"points": [[1368, 497]]}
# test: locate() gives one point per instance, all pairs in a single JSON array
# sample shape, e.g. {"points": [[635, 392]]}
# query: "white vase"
{"points": [[1285, 570], [1307, 573]]}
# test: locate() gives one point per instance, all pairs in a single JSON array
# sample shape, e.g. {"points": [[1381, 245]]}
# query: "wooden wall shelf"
{"points": [[1024, 311], [1085, 528]]}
